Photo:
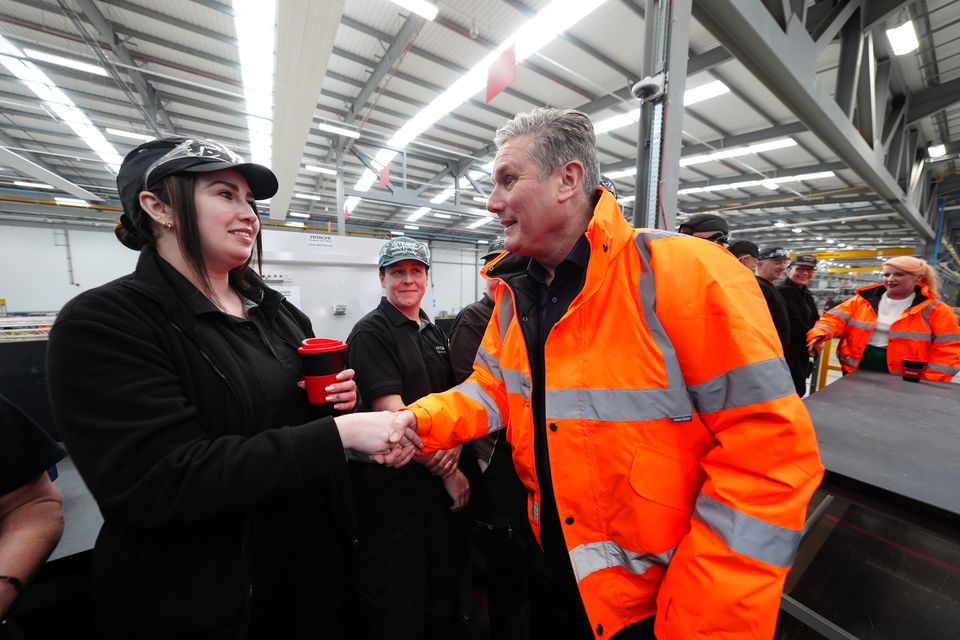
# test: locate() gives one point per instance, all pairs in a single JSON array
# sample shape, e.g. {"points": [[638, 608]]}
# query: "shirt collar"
{"points": [[396, 317], [579, 256]]}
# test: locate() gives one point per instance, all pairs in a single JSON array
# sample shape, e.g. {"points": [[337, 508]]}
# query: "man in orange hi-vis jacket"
{"points": [[668, 461]]}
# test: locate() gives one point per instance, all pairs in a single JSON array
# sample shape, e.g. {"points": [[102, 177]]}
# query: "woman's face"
{"points": [[899, 283], [226, 219]]}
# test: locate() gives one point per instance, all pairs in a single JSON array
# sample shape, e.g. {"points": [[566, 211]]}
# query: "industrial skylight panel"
{"points": [[256, 35]]}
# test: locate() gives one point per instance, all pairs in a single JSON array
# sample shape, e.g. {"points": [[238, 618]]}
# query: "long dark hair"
{"points": [[178, 193]]}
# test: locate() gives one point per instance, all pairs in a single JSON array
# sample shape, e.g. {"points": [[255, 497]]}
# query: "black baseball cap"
{"points": [[804, 259], [744, 248], [153, 161], [495, 249], [607, 184], [773, 253], [704, 222]]}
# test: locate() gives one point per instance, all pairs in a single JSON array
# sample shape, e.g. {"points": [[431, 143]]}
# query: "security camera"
{"points": [[649, 89]]}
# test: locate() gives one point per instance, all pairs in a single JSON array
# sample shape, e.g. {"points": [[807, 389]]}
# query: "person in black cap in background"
{"points": [[708, 226], [748, 254], [498, 499], [803, 313], [176, 391], [772, 263], [411, 540], [31, 507]]}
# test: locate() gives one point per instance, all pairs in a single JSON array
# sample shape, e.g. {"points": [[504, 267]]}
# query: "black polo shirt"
{"points": [[26, 450], [395, 355]]}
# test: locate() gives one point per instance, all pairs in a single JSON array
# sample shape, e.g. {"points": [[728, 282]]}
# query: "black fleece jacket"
{"points": [[170, 432]]}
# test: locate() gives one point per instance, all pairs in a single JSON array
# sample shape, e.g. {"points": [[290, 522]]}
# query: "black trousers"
{"points": [[800, 372], [408, 573]]}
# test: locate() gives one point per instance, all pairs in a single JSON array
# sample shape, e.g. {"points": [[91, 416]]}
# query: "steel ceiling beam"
{"points": [[931, 100], [785, 61]]}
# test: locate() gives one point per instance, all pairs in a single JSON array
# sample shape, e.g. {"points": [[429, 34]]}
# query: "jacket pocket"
{"points": [[665, 479]]}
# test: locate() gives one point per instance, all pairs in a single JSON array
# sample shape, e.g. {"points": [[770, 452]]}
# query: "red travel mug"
{"points": [[322, 359], [913, 369]]}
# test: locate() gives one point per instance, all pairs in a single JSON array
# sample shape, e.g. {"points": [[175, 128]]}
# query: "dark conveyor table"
{"points": [[891, 446]]}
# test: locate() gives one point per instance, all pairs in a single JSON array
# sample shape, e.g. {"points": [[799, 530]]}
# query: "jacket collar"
{"points": [[395, 316], [873, 292], [607, 232]]}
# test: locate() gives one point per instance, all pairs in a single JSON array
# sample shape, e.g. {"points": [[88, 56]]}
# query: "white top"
{"points": [[887, 313]]}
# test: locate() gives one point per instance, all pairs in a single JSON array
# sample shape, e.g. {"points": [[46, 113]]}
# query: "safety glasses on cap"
{"points": [[719, 237], [203, 150]]}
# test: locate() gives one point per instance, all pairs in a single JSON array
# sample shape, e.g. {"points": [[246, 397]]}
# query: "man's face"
{"points": [[526, 203], [771, 269], [404, 284], [800, 274]]}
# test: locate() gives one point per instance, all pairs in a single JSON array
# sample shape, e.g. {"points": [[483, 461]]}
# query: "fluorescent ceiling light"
{"points": [[34, 185], [58, 102], [397, 233], [297, 214], [307, 196], [937, 151], [419, 213], [255, 22], [478, 223], [704, 92], [753, 183], [903, 39], [71, 202], [797, 230], [480, 199], [66, 62], [483, 242], [419, 7], [323, 170], [538, 31], [295, 224], [626, 199], [690, 96], [340, 131], [613, 175], [445, 216], [411, 227], [736, 152], [129, 134], [779, 223], [770, 184]]}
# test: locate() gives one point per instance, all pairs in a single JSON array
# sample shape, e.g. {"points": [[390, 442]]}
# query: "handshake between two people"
{"points": [[388, 437]]}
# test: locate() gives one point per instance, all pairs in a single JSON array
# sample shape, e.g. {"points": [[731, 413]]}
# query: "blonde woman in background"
{"points": [[901, 317]]}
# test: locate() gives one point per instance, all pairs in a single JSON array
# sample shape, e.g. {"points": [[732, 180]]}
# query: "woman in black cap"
{"points": [[176, 391]]}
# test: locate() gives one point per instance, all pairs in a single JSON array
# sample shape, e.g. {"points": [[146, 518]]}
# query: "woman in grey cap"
{"points": [[176, 391]]}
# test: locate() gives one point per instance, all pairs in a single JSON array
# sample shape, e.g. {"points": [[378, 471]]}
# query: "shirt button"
{"points": [[523, 318], [553, 299], [553, 426], [600, 626], [569, 520]]}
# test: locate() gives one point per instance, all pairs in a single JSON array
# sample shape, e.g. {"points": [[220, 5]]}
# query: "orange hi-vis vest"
{"points": [[681, 458], [926, 331]]}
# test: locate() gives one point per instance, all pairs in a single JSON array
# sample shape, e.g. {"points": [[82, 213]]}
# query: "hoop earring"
{"points": [[167, 225]]}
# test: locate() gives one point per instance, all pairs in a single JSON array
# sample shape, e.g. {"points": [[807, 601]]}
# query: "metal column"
{"points": [[666, 38]]}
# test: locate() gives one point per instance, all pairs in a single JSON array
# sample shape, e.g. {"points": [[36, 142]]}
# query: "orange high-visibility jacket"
{"points": [[926, 331], [682, 460]]}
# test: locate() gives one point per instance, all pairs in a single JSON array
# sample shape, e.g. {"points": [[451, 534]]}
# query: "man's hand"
{"points": [[458, 487], [444, 462], [378, 434], [408, 443], [815, 346]]}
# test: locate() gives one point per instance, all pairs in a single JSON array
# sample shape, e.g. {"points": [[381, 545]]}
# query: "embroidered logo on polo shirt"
{"points": [[440, 349]]}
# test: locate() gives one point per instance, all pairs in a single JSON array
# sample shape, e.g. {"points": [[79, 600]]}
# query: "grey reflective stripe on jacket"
{"points": [[829, 330], [475, 392], [748, 535], [840, 313], [596, 556], [910, 335], [514, 381], [748, 384], [860, 324], [946, 337], [942, 368], [847, 360]]}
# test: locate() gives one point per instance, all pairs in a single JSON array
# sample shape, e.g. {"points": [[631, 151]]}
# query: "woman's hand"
{"points": [[378, 434], [815, 346], [443, 462], [458, 487], [344, 391]]}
